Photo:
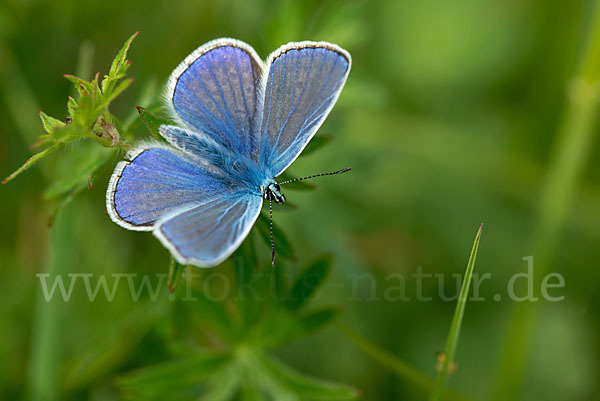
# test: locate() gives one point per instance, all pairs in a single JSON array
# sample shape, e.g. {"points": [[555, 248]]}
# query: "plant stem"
{"points": [[31, 162], [44, 362], [571, 153], [442, 379]]}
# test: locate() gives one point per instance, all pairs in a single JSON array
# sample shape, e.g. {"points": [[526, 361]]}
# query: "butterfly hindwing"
{"points": [[304, 80], [208, 233]]}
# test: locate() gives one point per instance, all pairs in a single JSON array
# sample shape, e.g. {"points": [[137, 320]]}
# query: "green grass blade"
{"points": [[399, 367], [459, 312], [175, 273]]}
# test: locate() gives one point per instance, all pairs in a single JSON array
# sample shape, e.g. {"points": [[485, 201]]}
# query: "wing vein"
{"points": [[276, 144], [218, 84]]}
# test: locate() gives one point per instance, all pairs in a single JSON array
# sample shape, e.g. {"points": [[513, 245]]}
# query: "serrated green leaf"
{"points": [[118, 67], [248, 284], [110, 96], [71, 105], [91, 107], [245, 261], [283, 326], [108, 351], [283, 246], [50, 124], [31, 162], [317, 319], [152, 122], [316, 143], [308, 282], [58, 132], [121, 56], [306, 387], [223, 384], [96, 94], [146, 98], [83, 87], [251, 386], [250, 390], [213, 313], [83, 115], [254, 369], [170, 378]]}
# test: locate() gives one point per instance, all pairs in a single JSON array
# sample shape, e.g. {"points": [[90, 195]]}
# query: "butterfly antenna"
{"points": [[271, 232], [316, 175]]}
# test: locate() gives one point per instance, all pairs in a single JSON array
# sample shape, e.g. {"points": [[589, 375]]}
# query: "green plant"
{"points": [[221, 348], [89, 123], [244, 328], [452, 342], [262, 315], [408, 373]]}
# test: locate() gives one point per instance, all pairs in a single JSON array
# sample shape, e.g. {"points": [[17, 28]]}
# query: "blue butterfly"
{"points": [[240, 123]]}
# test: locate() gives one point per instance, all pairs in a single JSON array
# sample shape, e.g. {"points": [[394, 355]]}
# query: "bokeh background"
{"points": [[455, 113]]}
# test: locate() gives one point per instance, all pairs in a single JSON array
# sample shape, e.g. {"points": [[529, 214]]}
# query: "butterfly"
{"points": [[239, 122]]}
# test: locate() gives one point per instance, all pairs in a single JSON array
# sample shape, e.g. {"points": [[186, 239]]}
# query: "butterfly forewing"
{"points": [[200, 216], [156, 182], [302, 85], [214, 91]]}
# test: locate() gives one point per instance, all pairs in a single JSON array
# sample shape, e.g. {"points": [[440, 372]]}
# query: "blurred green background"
{"points": [[455, 113]]}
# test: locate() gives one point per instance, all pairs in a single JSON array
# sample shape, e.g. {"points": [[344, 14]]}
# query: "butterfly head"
{"points": [[273, 193]]}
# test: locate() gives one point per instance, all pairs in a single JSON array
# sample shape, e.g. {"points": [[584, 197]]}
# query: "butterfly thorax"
{"points": [[273, 193]]}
